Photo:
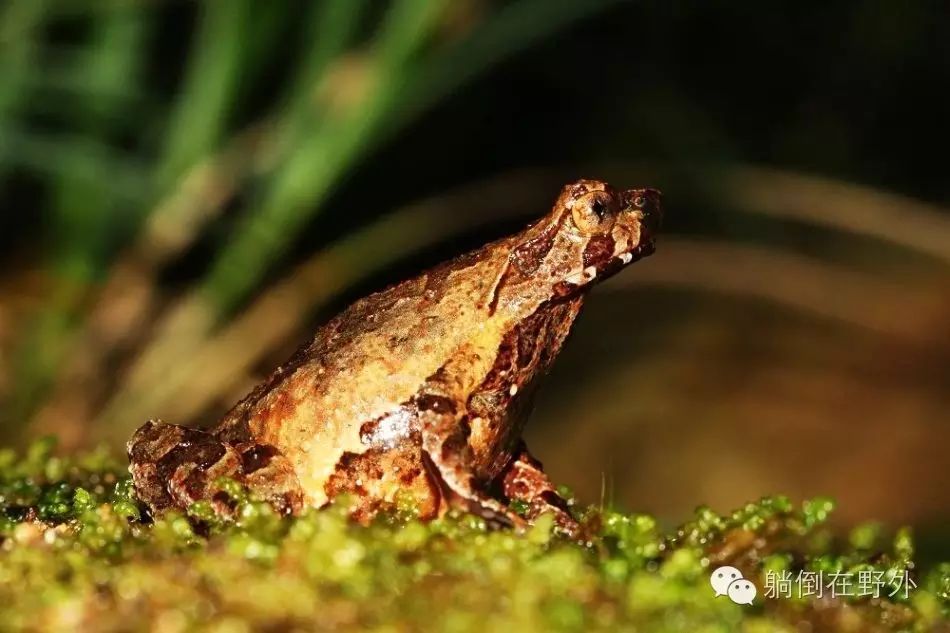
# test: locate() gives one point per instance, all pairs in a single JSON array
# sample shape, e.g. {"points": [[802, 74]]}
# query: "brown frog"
{"points": [[420, 389]]}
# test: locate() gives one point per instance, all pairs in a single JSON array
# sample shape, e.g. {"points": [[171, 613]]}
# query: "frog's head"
{"points": [[592, 232]]}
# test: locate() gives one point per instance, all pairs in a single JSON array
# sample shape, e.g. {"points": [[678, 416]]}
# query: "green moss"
{"points": [[78, 552]]}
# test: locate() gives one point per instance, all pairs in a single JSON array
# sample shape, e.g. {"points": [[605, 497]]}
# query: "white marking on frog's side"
{"points": [[390, 430], [513, 390], [626, 258]]}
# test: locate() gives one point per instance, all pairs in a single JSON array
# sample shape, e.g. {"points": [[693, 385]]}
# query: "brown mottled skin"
{"points": [[422, 388]]}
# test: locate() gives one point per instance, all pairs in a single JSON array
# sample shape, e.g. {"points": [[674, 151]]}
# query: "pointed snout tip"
{"points": [[650, 203]]}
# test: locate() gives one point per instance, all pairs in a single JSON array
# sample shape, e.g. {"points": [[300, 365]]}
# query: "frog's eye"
{"points": [[594, 212]]}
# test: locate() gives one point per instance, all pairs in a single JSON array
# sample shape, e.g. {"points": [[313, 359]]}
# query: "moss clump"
{"points": [[79, 553]]}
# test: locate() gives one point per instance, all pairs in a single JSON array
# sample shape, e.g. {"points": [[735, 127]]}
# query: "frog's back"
{"points": [[365, 363]]}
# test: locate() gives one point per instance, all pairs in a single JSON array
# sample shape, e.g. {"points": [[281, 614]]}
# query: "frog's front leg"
{"points": [[447, 453], [524, 480], [175, 466]]}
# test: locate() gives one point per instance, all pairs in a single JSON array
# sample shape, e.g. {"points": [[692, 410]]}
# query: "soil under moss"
{"points": [[77, 552]]}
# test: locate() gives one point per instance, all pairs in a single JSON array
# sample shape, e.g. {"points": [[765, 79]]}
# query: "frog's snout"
{"points": [[650, 204]]}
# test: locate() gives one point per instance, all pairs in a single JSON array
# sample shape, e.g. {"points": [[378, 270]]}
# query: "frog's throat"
{"points": [[584, 279]]}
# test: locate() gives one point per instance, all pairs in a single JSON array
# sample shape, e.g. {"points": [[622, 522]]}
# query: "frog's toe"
{"points": [[495, 513], [525, 481]]}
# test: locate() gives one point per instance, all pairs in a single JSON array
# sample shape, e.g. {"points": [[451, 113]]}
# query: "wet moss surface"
{"points": [[79, 552]]}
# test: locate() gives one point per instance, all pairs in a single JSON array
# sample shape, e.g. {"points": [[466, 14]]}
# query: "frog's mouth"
{"points": [[645, 248], [609, 266]]}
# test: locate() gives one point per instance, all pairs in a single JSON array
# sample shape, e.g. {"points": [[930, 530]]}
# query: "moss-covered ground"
{"points": [[78, 553]]}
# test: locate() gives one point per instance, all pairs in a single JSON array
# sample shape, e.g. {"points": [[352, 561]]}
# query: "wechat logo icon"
{"points": [[728, 581]]}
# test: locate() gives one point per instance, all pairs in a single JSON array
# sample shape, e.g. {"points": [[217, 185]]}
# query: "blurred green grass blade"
{"points": [[310, 172], [87, 224], [53, 156], [330, 30], [20, 21], [58, 85], [110, 67], [212, 78], [407, 23]]}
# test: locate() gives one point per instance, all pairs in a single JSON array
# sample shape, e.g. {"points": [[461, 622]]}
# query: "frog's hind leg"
{"points": [[175, 466]]}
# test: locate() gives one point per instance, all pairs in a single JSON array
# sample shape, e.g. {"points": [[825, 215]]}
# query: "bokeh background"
{"points": [[189, 188]]}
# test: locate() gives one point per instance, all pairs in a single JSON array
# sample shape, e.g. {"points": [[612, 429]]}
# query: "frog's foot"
{"points": [[448, 458], [176, 466], [524, 480]]}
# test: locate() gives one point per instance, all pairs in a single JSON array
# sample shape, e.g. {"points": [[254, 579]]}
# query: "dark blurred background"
{"points": [[188, 188]]}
